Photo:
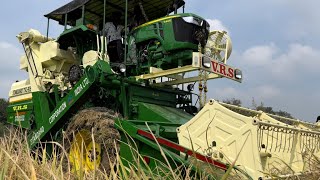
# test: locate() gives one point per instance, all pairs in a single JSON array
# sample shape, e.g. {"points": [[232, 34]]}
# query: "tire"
{"points": [[99, 121]]}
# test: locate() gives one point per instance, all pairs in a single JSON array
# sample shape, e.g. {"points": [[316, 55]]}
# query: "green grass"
{"points": [[17, 161], [2, 129]]}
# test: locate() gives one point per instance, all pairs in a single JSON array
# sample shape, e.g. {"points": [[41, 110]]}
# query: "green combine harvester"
{"points": [[141, 87], [124, 71]]}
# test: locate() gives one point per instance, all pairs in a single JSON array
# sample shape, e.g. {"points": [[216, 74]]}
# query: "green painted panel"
{"points": [[151, 95], [41, 107], [45, 123], [46, 118], [20, 106], [152, 31], [153, 112], [146, 147], [21, 119], [19, 113]]}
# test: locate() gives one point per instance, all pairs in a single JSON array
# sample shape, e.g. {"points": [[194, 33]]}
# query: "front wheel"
{"points": [[92, 140]]}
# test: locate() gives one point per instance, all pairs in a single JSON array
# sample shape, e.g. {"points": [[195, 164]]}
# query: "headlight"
{"points": [[206, 62], [207, 26], [190, 87], [238, 74], [122, 68], [193, 20]]}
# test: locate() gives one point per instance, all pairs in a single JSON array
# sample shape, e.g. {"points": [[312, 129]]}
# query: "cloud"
{"points": [[306, 17], [266, 91], [259, 55], [299, 59], [287, 64], [8, 52], [5, 45], [225, 92], [283, 78], [216, 24], [10, 60]]}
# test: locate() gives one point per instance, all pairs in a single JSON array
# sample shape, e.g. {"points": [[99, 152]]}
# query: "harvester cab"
{"points": [[152, 39], [163, 42]]}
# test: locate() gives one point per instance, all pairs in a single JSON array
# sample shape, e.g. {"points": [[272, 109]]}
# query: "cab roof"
{"points": [[94, 9]]}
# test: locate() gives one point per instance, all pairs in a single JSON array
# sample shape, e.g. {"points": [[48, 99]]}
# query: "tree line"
{"points": [[3, 107], [260, 107]]}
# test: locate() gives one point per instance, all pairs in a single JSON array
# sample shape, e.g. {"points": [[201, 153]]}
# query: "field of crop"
{"points": [[2, 128], [19, 162]]}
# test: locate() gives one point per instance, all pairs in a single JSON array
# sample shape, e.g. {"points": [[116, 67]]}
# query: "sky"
{"points": [[275, 44]]}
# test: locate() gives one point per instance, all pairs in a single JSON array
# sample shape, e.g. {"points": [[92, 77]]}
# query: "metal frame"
{"points": [[177, 79]]}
